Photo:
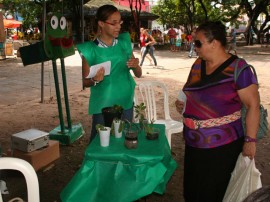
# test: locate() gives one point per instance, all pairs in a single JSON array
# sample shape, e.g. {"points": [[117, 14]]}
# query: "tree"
{"points": [[136, 14], [193, 12], [253, 9], [235, 10], [185, 12], [167, 12], [28, 10]]}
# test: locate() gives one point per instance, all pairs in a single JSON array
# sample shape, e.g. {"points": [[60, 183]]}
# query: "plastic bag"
{"points": [[245, 179]]}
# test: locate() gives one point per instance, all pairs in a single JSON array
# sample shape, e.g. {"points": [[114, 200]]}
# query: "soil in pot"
{"points": [[131, 139], [153, 135]]}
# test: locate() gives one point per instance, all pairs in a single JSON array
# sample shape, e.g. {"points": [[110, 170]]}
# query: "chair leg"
{"points": [[169, 137]]}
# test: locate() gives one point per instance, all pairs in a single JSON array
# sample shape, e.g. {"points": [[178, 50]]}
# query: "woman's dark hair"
{"points": [[103, 13], [214, 30]]}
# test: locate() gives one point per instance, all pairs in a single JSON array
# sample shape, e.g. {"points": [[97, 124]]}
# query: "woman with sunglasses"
{"points": [[117, 88], [213, 131]]}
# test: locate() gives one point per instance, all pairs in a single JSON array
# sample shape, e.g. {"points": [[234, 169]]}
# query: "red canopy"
{"points": [[11, 23]]}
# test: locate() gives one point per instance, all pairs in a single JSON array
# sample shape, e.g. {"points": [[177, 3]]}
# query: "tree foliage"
{"points": [[32, 10], [190, 13], [27, 9]]}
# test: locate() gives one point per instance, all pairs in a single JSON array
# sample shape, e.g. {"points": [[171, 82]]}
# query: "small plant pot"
{"points": [[109, 114], [153, 135], [105, 137], [116, 129], [131, 138], [143, 123]]}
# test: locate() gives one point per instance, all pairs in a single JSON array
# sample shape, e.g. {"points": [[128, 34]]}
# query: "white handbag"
{"points": [[245, 179]]}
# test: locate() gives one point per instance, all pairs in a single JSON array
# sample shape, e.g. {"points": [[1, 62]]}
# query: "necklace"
{"points": [[103, 44]]}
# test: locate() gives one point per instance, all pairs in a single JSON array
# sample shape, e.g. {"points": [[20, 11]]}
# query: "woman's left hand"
{"points": [[133, 62], [249, 149]]}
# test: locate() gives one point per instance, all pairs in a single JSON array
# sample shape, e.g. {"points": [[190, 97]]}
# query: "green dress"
{"points": [[118, 86]]}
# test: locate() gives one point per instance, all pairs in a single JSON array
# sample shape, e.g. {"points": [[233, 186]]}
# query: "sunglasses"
{"points": [[115, 23], [198, 43]]}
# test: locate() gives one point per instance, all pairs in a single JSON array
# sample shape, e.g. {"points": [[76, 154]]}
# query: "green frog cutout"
{"points": [[57, 43]]}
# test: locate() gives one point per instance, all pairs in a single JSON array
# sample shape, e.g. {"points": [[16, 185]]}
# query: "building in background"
{"points": [[91, 7], [145, 4]]}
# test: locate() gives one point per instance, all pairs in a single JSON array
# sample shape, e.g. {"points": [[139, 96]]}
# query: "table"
{"points": [[118, 174]]}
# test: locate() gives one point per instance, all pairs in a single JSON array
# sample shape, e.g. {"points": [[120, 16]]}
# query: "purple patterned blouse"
{"points": [[213, 96]]}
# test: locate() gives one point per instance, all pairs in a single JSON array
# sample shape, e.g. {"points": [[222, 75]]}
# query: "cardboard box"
{"points": [[39, 158]]}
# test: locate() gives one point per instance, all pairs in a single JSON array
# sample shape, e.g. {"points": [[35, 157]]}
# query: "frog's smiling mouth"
{"points": [[62, 42]]}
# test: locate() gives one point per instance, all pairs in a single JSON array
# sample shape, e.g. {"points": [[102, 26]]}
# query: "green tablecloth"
{"points": [[118, 174]]}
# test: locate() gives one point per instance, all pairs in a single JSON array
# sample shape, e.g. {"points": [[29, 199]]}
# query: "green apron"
{"points": [[118, 87]]}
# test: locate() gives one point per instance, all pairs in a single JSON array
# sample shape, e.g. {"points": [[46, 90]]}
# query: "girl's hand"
{"points": [[133, 62], [100, 75]]}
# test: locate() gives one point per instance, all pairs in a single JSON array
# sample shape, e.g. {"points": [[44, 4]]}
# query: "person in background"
{"points": [[142, 45], [267, 36], [232, 44], [191, 42], [172, 36], [180, 31], [149, 47], [262, 41], [178, 43], [112, 46], [213, 132], [184, 41]]}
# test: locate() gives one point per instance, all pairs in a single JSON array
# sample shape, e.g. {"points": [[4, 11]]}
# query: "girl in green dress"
{"points": [[109, 45]]}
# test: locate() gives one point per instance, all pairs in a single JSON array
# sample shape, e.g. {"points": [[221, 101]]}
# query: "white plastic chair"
{"points": [[149, 90], [10, 163]]}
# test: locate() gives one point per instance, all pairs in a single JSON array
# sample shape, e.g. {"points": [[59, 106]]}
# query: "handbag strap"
{"points": [[238, 71]]}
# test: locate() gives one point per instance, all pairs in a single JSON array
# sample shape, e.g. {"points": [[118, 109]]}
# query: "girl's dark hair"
{"points": [[214, 30], [103, 13]]}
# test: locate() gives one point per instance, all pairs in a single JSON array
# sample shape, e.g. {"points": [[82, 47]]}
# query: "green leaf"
{"points": [[100, 127]]}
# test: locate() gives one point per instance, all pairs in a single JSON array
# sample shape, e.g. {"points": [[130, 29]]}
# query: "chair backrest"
{"points": [[150, 92], [10, 163]]}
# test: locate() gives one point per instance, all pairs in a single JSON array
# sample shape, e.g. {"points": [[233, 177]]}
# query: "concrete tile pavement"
{"points": [[21, 84]]}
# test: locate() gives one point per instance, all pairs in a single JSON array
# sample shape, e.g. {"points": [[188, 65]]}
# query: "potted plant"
{"points": [[151, 132], [131, 135], [104, 134], [109, 113], [117, 127], [140, 113]]}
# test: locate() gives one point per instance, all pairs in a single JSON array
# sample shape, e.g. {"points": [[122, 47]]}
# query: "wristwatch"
{"points": [[95, 82], [250, 139]]}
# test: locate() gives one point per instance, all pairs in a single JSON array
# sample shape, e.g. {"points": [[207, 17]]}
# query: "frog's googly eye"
{"points": [[54, 22], [63, 23]]}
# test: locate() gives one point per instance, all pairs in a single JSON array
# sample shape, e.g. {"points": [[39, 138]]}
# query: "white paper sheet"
{"points": [[93, 69]]}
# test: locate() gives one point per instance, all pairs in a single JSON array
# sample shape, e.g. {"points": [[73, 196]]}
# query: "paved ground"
{"points": [[21, 90], [23, 83]]}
